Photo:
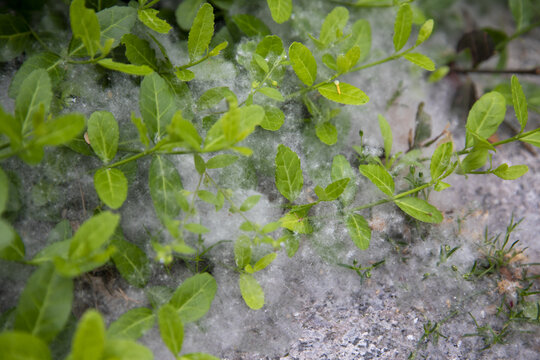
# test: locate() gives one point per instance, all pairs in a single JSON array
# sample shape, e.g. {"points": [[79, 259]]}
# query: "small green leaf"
{"points": [[171, 328], [201, 32], [185, 75], [186, 12], [252, 292], [402, 26], [103, 134], [149, 18], [522, 12], [126, 68], [273, 118], [125, 349], [196, 228], [17, 345], [250, 202], [510, 172], [359, 231], [111, 186], [45, 303], [164, 182], [156, 102], [35, 92], [131, 262], [197, 356], [248, 226], [333, 25], [347, 94], [250, 25], [420, 209], [520, 102], [14, 36], [441, 185], [346, 62], [89, 339], [61, 129], [474, 160], [213, 96], [386, 133], [335, 189], [289, 178], [139, 52], [270, 227], [361, 37], [85, 25], [193, 298], [440, 161], [261, 62], [11, 245], [342, 169], [438, 74], [92, 234], [4, 190], [141, 129], [221, 161], [533, 139], [425, 32], [218, 48], [303, 63], [182, 129], [296, 220], [326, 132], [485, 116], [379, 177], [52, 63], [132, 324], [11, 128], [264, 262], [115, 22], [200, 164], [242, 251], [281, 10], [271, 93], [421, 60]]}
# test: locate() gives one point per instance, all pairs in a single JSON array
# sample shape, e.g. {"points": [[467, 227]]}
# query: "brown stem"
{"points": [[533, 71]]}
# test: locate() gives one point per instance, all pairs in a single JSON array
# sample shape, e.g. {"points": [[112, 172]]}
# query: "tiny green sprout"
{"points": [[274, 83], [255, 84]]}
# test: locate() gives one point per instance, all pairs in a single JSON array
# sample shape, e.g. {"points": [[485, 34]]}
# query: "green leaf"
{"points": [[182, 129], [419, 209], [264, 262], [45, 303], [18, 345], [171, 328], [115, 22], [522, 13], [281, 10], [11, 245], [270, 227], [252, 292], [61, 129], [123, 349], [347, 94], [197, 356], [359, 231], [533, 139], [11, 128], [303, 63], [201, 32], [326, 132], [151, 20], [132, 324], [196, 228], [103, 134], [402, 26], [200, 165], [347, 61], [474, 160], [131, 262], [35, 90], [248, 226], [217, 49], [332, 27], [130, 69], [242, 251], [164, 182], [441, 185], [250, 25], [4, 190], [14, 36], [141, 129], [486, 115], [221, 161], [386, 133], [296, 220], [92, 234], [425, 32], [510, 172], [156, 102], [439, 74], [89, 339], [185, 13], [289, 178], [273, 118], [379, 177], [250, 202], [361, 37], [213, 96], [111, 186], [271, 93], [139, 52], [440, 161], [520, 102], [342, 169], [421, 60], [335, 189], [185, 75], [192, 299], [85, 25], [52, 63]]}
